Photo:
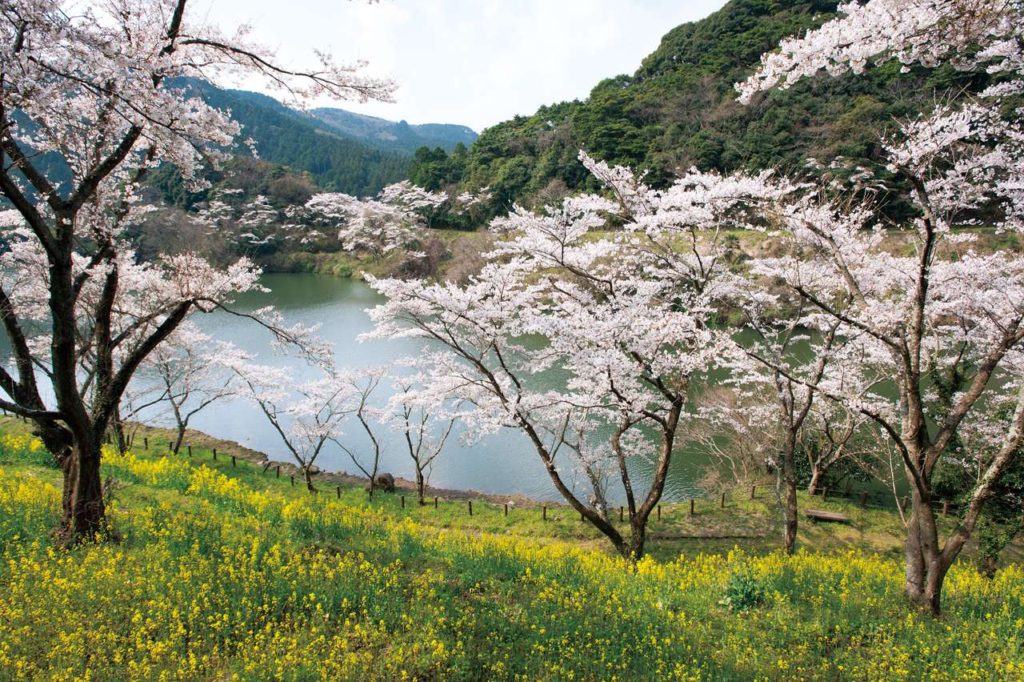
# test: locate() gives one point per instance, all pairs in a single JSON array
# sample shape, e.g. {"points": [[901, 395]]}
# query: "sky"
{"points": [[472, 62]]}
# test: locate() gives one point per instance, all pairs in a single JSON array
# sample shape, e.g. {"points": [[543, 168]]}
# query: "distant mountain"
{"points": [[293, 138], [391, 136]]}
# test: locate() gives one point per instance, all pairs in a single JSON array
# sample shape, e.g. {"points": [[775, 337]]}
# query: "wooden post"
{"points": [[506, 509], [215, 454], [189, 448], [278, 471], [293, 480], [145, 442], [469, 505], [622, 514], [945, 508], [691, 507], [659, 512], [170, 446], [435, 501], [544, 512], [723, 500], [753, 492], [403, 501], [824, 493], [337, 492], [233, 461]]}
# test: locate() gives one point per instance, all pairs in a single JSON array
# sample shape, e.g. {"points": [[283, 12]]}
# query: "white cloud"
{"points": [[476, 62]]}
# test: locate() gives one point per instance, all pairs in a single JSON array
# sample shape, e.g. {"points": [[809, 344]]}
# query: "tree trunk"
{"points": [[84, 513], [926, 566], [789, 502], [816, 475], [637, 540], [421, 485], [179, 438], [118, 428], [309, 480], [989, 565], [934, 579]]}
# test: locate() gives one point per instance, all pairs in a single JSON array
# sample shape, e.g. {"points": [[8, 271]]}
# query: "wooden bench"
{"points": [[819, 515]]}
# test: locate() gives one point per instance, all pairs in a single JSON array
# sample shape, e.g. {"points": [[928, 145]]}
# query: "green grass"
{"points": [[223, 572]]}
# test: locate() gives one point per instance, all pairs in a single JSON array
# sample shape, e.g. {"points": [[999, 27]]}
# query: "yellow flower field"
{"points": [[224, 577]]}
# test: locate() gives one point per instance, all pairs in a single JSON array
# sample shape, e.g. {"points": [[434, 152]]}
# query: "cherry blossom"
{"points": [[90, 88], [948, 315], [623, 314]]}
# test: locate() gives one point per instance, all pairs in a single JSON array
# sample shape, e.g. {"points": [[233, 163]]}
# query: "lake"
{"points": [[502, 463]]}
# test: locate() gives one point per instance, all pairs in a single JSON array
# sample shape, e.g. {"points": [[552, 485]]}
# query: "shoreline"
{"points": [[161, 436]]}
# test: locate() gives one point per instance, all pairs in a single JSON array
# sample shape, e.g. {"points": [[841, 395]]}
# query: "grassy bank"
{"points": [[460, 253], [455, 255], [224, 572]]}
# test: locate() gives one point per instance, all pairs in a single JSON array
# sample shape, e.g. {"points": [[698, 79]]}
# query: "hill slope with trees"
{"points": [[678, 110], [289, 137]]}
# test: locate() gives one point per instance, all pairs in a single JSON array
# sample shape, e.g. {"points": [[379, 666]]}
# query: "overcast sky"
{"points": [[474, 62]]}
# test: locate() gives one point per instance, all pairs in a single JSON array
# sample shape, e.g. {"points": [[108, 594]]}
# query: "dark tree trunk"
{"points": [[789, 502], [179, 438], [634, 548], [84, 513], [989, 565], [309, 480], [117, 426], [421, 485]]}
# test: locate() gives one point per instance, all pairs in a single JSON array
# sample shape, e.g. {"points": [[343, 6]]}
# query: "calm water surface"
{"points": [[502, 463]]}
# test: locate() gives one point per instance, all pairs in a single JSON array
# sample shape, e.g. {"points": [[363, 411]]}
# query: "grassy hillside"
{"points": [[222, 572]]}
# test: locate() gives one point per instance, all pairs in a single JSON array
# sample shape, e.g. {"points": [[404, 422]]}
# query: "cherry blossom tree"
{"points": [[835, 436], [969, 34], [85, 89], [361, 388], [307, 417], [946, 310], [739, 431], [788, 353], [425, 425], [624, 316], [394, 219], [187, 374]]}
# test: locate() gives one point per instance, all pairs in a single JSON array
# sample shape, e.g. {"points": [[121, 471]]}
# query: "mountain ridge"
{"points": [[389, 134]]}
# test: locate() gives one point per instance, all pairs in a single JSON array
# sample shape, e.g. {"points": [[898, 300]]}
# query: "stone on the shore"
{"points": [[385, 482]]}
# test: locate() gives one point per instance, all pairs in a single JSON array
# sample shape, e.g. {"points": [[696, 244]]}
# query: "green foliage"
{"points": [[286, 137], [744, 591], [678, 110], [434, 169]]}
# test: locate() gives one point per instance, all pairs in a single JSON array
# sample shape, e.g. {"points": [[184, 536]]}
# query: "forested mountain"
{"points": [[297, 140], [678, 110], [392, 136]]}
